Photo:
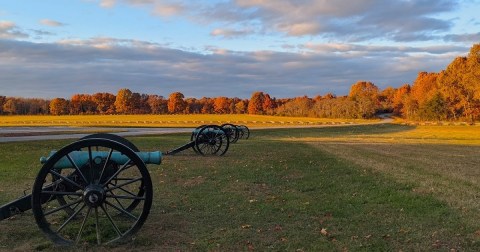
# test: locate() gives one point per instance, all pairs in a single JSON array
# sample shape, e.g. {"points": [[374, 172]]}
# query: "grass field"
{"points": [[358, 188], [168, 120]]}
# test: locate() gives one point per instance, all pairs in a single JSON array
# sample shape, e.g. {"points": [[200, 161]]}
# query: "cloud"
{"points": [[230, 33], [466, 37], [107, 64], [353, 21], [50, 22], [9, 30], [167, 10], [107, 3]]}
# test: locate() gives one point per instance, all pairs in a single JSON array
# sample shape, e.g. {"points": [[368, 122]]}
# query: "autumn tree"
{"points": [[176, 104], [10, 106], [105, 103], [123, 101], [365, 95], [241, 107], [207, 105], [59, 106], [399, 99], [139, 104], [158, 104], [221, 105], [386, 99], [424, 87], [300, 106], [82, 104], [2, 101], [193, 106], [255, 105]]}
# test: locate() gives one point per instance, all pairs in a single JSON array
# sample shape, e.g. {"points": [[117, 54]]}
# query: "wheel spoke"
{"points": [[118, 201], [76, 167], [122, 211], [97, 226], [105, 165], [79, 235], [124, 190], [123, 184], [124, 166], [110, 219], [62, 207], [70, 218]]}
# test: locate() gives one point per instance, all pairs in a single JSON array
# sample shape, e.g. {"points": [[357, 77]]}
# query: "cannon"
{"points": [[236, 132], [98, 189]]}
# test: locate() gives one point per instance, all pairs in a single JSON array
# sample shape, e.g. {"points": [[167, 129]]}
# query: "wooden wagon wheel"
{"points": [[97, 187], [244, 132], [212, 140], [232, 131], [193, 136]]}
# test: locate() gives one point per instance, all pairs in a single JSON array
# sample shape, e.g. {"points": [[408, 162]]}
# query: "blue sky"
{"points": [[55, 48]]}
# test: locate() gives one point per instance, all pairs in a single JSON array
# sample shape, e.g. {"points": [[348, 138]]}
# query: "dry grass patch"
{"points": [[193, 120]]}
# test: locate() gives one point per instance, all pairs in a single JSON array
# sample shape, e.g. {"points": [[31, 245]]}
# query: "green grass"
{"points": [[293, 189]]}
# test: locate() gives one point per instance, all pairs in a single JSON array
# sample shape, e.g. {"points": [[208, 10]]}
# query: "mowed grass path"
{"points": [[169, 120], [360, 188]]}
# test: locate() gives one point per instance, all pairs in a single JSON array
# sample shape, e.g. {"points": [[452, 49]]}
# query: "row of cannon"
{"points": [[98, 189]]}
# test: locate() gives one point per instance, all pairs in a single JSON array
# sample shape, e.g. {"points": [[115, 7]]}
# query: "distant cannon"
{"points": [[98, 189], [236, 132]]}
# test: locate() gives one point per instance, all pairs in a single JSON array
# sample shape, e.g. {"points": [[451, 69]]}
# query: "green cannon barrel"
{"points": [[80, 158]]}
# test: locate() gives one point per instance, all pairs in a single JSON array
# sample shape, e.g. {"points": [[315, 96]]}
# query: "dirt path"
{"points": [[51, 133]]}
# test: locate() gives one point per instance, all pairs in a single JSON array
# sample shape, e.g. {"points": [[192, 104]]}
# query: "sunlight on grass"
{"points": [[170, 120], [457, 135]]}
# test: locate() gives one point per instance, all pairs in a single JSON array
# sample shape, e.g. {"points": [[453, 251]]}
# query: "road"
{"points": [[48, 133]]}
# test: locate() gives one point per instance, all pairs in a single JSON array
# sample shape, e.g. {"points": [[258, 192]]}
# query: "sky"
{"points": [[286, 48]]}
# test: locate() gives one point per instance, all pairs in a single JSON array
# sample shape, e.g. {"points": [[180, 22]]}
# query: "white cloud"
{"points": [[230, 33], [107, 3], [50, 22], [167, 10]]}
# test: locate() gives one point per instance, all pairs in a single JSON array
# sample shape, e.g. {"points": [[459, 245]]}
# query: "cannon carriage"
{"points": [[98, 189]]}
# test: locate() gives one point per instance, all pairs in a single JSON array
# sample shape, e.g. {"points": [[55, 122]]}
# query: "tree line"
{"points": [[452, 94]]}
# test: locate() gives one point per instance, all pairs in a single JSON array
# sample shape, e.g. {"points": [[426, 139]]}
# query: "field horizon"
{"points": [[190, 120]]}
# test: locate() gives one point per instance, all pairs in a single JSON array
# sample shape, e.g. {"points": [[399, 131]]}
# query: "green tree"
{"points": [[434, 109]]}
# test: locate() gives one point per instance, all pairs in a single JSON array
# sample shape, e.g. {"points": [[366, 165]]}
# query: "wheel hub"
{"points": [[94, 195]]}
